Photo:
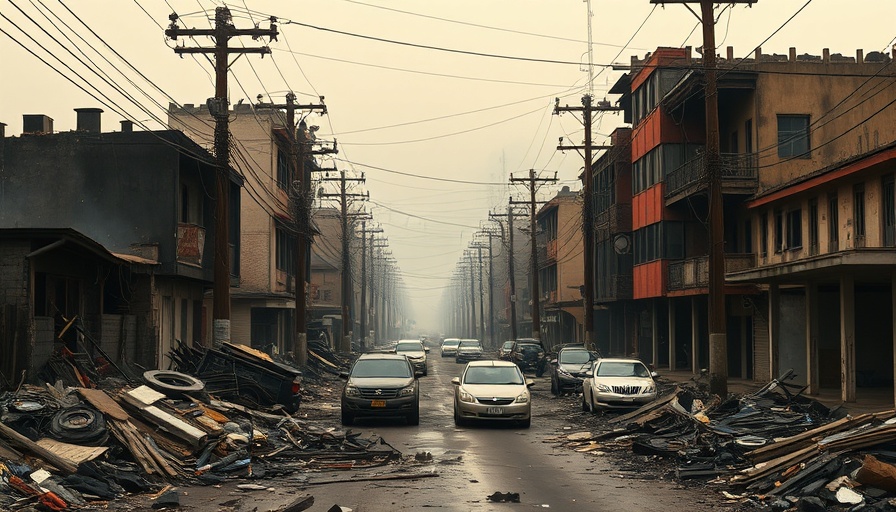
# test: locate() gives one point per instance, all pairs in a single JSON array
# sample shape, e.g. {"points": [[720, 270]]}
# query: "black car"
{"points": [[570, 368], [529, 355], [381, 385]]}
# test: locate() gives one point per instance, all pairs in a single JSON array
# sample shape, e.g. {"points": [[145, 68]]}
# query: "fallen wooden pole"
{"points": [[58, 462]]}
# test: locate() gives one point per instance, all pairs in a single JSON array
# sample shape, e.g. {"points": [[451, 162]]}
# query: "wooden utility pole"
{"points": [[345, 344], [491, 287], [587, 109], [511, 266], [718, 330], [218, 108], [479, 247], [365, 342], [299, 207], [533, 271]]}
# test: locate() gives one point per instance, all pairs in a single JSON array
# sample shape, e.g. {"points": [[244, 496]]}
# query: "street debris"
{"points": [[90, 435], [504, 497], [774, 448]]}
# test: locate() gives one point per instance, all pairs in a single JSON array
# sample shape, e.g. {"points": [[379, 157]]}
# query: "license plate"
{"points": [[377, 403], [495, 410], [628, 399]]}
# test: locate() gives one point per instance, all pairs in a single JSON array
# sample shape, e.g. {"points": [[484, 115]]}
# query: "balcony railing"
{"points": [[190, 243], [614, 287], [736, 168], [694, 272], [615, 219]]}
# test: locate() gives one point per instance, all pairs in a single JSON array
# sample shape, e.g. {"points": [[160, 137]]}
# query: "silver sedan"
{"points": [[618, 384], [492, 390]]}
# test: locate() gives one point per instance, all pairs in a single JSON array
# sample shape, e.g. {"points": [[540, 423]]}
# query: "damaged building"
{"points": [[105, 239]]}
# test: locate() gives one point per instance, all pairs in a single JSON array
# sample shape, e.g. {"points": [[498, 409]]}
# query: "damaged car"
{"points": [[618, 384], [570, 368]]}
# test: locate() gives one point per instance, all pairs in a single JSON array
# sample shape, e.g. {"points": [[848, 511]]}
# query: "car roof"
{"points": [[619, 360], [381, 355], [470, 339], [408, 341], [491, 362], [574, 347]]}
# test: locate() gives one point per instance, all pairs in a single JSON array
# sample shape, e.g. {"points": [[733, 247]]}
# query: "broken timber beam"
{"points": [[58, 462]]}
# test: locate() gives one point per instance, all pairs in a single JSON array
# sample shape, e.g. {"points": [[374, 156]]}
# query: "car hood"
{"points": [[413, 355], [624, 381], [575, 367], [496, 390], [469, 349], [380, 382]]}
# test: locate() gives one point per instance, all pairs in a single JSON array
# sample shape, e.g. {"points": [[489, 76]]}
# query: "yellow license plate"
{"points": [[377, 403]]}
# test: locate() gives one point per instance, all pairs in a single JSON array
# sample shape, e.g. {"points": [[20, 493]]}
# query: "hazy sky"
{"points": [[419, 93]]}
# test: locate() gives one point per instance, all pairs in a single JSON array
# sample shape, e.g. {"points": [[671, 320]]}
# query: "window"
{"points": [[748, 136], [284, 172], [662, 240], [813, 225], [779, 231], [889, 213], [794, 229], [833, 224], [858, 213], [286, 244], [748, 237], [793, 136], [763, 235]]}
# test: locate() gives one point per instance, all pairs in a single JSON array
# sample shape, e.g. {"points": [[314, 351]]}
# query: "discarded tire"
{"points": [[172, 383], [79, 425]]}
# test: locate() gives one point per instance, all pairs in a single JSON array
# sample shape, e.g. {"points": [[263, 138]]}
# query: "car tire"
{"points": [[413, 418], [584, 404], [79, 424], [555, 387], [172, 383], [458, 421], [347, 418], [526, 423]]}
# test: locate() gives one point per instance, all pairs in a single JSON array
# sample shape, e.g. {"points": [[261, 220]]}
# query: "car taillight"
{"points": [[295, 387]]}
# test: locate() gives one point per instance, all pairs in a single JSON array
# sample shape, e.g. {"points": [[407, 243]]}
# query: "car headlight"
{"points": [[522, 398], [604, 388], [352, 391], [650, 388], [465, 397], [563, 373], [406, 391]]}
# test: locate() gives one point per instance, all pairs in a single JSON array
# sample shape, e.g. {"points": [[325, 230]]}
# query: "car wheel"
{"points": [[413, 418], [555, 387], [347, 418], [584, 404], [458, 421], [526, 422]]}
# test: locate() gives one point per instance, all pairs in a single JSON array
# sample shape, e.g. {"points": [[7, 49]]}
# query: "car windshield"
{"points": [[574, 356], [622, 369], [392, 368], [529, 347], [469, 344], [493, 375], [508, 345], [409, 346], [451, 343]]}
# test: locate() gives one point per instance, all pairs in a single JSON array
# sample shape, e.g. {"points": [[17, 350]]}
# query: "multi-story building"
{"points": [[807, 186], [263, 300], [110, 230], [561, 269]]}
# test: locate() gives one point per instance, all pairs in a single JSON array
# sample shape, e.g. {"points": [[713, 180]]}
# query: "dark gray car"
{"points": [[381, 385]]}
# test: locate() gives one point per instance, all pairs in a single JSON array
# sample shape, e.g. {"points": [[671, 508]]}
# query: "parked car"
{"points": [[570, 368], [468, 350], [449, 347], [529, 355], [618, 384], [504, 350], [381, 385], [415, 351], [492, 390]]}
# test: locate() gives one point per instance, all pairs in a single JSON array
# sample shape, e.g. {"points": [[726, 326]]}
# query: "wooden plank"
{"points": [[103, 403], [144, 395], [8, 452], [645, 408], [72, 452], [59, 463]]}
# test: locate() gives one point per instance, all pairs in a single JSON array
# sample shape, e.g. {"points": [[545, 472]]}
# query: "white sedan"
{"points": [[618, 384], [492, 390]]}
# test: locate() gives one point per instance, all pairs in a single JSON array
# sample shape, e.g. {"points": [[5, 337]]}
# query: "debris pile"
{"points": [[88, 438], [774, 447]]}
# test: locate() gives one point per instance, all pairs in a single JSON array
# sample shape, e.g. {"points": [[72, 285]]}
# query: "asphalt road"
{"points": [[469, 464]]}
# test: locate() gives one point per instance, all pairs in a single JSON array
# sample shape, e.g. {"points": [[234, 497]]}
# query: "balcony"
{"points": [[617, 218], [739, 174], [694, 272], [190, 244], [614, 287], [552, 250]]}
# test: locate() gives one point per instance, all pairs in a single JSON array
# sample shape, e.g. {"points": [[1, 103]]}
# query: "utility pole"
{"points": [[221, 33], [299, 206], [491, 287], [536, 300], [472, 297], [478, 248], [511, 266], [346, 342], [718, 330], [587, 204], [364, 278]]}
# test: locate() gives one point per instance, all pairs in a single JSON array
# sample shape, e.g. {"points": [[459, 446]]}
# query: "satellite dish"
{"points": [[622, 244]]}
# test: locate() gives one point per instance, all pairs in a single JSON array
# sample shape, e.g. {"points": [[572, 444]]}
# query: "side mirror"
{"points": [[418, 374], [426, 349], [530, 383], [456, 381], [654, 374], [554, 362], [343, 375]]}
